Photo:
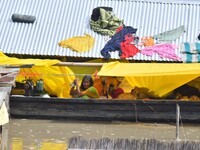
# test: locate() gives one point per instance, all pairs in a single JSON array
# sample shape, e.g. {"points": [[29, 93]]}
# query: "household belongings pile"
{"points": [[126, 42], [124, 39]]}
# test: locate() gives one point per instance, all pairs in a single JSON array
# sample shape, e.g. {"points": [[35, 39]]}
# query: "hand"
{"points": [[76, 81]]}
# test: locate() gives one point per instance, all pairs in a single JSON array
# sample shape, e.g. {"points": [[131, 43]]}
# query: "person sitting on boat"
{"points": [[86, 89]]}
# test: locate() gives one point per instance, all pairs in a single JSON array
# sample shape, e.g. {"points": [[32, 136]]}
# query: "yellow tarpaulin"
{"points": [[56, 79], [158, 77]]}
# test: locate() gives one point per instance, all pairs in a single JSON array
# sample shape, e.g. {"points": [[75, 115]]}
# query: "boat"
{"points": [[7, 80], [36, 107]]}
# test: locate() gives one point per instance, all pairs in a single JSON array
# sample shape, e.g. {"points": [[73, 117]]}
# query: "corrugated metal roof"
{"points": [[63, 19]]}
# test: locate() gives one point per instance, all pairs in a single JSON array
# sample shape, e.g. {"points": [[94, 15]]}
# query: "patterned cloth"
{"points": [[190, 52]]}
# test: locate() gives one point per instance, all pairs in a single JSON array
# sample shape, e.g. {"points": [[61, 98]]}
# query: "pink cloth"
{"points": [[163, 50]]}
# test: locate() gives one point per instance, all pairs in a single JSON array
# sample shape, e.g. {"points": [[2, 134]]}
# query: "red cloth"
{"points": [[128, 49], [119, 29], [116, 92]]}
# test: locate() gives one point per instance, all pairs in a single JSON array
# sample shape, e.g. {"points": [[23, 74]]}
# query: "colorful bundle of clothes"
{"points": [[121, 42]]}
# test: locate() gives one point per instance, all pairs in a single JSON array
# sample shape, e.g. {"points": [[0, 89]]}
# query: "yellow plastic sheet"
{"points": [[161, 78], [56, 79]]}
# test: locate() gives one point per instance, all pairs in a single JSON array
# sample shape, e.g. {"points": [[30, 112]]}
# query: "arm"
{"points": [[72, 91], [75, 90], [91, 92], [78, 91]]}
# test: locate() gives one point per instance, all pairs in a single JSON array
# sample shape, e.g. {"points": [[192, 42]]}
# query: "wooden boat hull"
{"points": [[104, 110]]}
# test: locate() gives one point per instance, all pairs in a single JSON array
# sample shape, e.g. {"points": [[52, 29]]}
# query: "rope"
{"points": [[38, 74], [155, 111]]}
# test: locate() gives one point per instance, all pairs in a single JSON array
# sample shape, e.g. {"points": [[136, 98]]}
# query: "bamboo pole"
{"points": [[79, 64], [177, 121], [60, 64]]}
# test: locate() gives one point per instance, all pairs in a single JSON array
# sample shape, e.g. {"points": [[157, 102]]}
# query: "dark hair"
{"points": [[89, 78]]}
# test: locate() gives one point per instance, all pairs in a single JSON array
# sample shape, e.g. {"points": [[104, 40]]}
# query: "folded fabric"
{"points": [[78, 43], [192, 48], [190, 52], [190, 58]]}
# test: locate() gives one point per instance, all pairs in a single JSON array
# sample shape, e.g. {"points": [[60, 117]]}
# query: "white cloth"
{"points": [[4, 116]]}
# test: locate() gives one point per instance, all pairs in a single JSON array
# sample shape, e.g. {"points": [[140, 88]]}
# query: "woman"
{"points": [[86, 90]]}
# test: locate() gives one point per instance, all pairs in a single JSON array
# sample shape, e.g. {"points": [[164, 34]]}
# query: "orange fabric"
{"points": [[147, 41], [108, 80]]}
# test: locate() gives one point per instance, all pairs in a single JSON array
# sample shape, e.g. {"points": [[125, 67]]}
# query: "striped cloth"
{"points": [[190, 52]]}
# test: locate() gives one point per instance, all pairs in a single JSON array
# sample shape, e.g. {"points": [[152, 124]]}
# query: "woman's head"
{"points": [[87, 82]]}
